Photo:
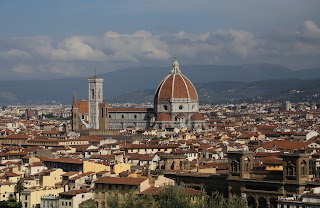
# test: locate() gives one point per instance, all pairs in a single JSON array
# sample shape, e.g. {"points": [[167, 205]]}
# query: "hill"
{"points": [[136, 79], [295, 90]]}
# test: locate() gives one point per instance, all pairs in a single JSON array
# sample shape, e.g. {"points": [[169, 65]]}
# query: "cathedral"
{"points": [[176, 105]]}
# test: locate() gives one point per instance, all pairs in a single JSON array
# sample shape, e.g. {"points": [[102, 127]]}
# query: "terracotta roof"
{"points": [[180, 115], [83, 107], [197, 117], [130, 110], [95, 77], [74, 192], [163, 117], [176, 86], [17, 136], [70, 173], [286, 145], [61, 160], [126, 181], [12, 174]]}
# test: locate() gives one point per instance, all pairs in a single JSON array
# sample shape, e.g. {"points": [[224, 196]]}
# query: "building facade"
{"points": [[95, 97], [176, 105]]}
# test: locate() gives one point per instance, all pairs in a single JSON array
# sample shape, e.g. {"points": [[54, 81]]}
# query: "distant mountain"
{"points": [[295, 90], [136, 79]]}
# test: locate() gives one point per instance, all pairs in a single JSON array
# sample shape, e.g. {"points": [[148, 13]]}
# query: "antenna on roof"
{"points": [[95, 72]]}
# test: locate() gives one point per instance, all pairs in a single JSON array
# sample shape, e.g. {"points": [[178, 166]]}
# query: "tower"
{"points": [[240, 164], [295, 167], [95, 97], [75, 113], [104, 116]]}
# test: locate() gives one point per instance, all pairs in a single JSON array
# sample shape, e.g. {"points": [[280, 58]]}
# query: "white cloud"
{"points": [[79, 54], [21, 68]]}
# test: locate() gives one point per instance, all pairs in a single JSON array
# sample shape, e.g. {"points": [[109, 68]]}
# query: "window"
{"points": [[62, 203], [25, 204], [92, 94], [165, 107], [103, 195], [82, 195], [69, 203], [303, 168], [123, 187], [291, 168], [97, 195], [26, 197], [235, 166], [180, 107], [247, 165], [110, 187]]}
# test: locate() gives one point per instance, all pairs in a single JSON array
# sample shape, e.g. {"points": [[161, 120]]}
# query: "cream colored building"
{"points": [[30, 198], [6, 191], [51, 177], [94, 167]]}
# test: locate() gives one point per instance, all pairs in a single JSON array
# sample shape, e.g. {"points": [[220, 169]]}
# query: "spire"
{"points": [[75, 102], [175, 66]]}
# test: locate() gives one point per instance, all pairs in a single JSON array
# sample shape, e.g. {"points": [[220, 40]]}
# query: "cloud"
{"points": [[78, 55], [21, 68]]}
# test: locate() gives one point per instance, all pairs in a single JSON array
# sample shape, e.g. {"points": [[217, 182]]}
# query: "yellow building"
{"points": [[30, 198], [6, 191], [120, 167], [106, 185], [94, 167], [50, 177]]}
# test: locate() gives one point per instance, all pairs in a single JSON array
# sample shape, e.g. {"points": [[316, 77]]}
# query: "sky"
{"points": [[54, 39]]}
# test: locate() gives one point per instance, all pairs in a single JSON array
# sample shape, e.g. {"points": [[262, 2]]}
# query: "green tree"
{"points": [[90, 203], [19, 187], [175, 197]]}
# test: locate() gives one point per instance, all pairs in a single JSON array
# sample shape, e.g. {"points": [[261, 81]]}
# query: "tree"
{"points": [[90, 203], [19, 187]]}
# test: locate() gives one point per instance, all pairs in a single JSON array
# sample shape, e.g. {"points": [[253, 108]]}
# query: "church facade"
{"points": [[176, 105]]}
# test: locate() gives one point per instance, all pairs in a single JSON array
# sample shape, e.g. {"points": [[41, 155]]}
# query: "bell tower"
{"points": [[75, 113], [295, 167], [95, 97], [240, 164]]}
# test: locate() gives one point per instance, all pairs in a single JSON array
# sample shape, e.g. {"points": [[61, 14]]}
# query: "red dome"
{"points": [[197, 117], [163, 117], [83, 107], [176, 86]]}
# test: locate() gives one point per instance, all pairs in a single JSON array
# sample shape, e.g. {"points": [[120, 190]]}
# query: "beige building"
{"points": [[105, 185], [6, 191], [72, 199], [31, 198]]}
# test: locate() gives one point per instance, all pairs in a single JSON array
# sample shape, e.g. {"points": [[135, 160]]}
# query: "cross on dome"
{"points": [[175, 67]]}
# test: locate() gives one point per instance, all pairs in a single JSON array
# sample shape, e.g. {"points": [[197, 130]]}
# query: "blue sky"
{"points": [[66, 38]]}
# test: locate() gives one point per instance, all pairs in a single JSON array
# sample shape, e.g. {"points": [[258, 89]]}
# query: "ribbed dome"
{"points": [[163, 117], [176, 85], [83, 107], [197, 117]]}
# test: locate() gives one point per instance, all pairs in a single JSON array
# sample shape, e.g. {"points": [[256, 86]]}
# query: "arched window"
{"points": [[92, 94], [303, 167], [246, 164], [235, 166], [291, 168]]}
